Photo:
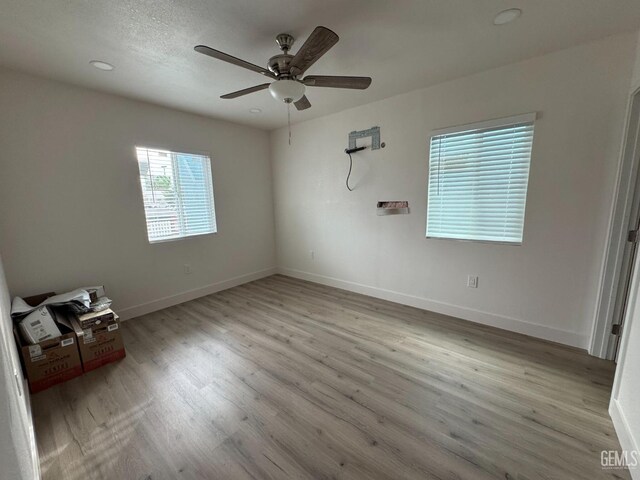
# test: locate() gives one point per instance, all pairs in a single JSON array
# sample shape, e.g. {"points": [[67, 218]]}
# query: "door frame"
{"points": [[627, 183]]}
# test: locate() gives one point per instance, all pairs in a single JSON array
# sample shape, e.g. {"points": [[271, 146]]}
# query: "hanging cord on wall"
{"points": [[349, 151], [349, 174], [289, 120]]}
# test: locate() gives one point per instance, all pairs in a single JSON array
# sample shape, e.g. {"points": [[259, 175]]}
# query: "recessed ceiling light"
{"points": [[255, 110], [107, 67], [507, 16]]}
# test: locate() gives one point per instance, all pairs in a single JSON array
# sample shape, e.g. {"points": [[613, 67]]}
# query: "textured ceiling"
{"points": [[402, 44]]}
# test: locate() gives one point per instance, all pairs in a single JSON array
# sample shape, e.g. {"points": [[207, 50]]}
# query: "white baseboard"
{"points": [[477, 316], [506, 323], [625, 436], [170, 301]]}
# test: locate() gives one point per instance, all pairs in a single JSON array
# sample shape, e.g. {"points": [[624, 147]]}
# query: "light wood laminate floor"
{"points": [[282, 378]]}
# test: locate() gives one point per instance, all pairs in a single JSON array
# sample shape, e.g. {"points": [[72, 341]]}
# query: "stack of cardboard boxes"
{"points": [[93, 340], [99, 338]]}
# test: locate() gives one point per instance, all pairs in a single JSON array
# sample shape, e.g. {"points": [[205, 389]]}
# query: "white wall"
{"points": [[625, 396], [18, 455], [71, 210], [547, 287]]}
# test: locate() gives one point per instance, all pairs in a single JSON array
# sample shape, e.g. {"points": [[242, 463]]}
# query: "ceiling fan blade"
{"points": [[318, 43], [303, 103], [231, 59], [245, 91], [359, 83]]}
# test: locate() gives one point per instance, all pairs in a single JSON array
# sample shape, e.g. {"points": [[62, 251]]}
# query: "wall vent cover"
{"points": [[393, 207]]}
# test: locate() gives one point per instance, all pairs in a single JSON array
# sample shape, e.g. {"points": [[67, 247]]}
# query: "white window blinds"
{"points": [[177, 191], [478, 176]]}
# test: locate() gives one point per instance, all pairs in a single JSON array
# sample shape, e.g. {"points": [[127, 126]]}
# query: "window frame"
{"points": [[483, 125], [210, 183]]}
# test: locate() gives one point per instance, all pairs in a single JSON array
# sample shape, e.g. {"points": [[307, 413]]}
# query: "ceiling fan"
{"points": [[286, 69]]}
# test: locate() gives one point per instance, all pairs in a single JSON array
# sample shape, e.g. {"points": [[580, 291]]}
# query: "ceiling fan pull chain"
{"points": [[289, 120]]}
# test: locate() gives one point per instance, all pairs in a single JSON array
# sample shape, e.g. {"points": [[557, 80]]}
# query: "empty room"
{"points": [[285, 239]]}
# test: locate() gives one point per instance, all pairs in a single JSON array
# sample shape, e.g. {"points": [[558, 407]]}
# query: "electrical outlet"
{"points": [[312, 254], [187, 269], [472, 281]]}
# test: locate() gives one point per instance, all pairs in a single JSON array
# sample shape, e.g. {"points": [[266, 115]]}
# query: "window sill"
{"points": [[176, 239], [469, 240]]}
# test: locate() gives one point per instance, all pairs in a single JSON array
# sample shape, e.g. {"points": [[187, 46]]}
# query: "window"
{"points": [[177, 191], [478, 177]]}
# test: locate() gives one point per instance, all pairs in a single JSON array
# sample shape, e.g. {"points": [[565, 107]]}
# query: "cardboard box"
{"points": [[88, 320], [100, 344], [49, 362], [36, 300]]}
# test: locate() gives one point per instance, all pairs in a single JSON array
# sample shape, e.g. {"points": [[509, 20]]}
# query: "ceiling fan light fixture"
{"points": [[287, 91]]}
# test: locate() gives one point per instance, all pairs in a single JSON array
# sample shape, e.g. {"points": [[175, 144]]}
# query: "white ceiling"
{"points": [[402, 44]]}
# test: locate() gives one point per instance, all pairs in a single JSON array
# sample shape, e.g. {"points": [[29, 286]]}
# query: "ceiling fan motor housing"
{"points": [[279, 65]]}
